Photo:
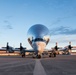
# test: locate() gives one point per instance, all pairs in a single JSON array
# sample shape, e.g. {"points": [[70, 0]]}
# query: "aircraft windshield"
{"points": [[38, 39]]}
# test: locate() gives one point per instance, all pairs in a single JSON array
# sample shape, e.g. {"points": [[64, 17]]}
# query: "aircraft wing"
{"points": [[16, 49], [67, 48], [2, 49], [74, 46], [29, 50], [63, 49], [25, 50]]}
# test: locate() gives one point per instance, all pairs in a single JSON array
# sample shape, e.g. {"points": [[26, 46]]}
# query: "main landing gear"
{"points": [[23, 55]]}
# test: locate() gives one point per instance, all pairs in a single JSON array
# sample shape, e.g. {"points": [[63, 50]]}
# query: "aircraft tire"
{"points": [[39, 56], [23, 55], [54, 54], [49, 55]]}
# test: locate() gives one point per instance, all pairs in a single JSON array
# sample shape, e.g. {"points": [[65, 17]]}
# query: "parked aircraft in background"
{"points": [[7, 49], [66, 49], [10, 49]]}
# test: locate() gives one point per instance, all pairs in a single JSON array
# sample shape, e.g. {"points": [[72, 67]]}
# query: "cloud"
{"points": [[62, 18], [63, 30], [57, 21], [7, 25], [62, 39]]}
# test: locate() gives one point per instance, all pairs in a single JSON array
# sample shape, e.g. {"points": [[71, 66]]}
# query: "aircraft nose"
{"points": [[39, 46], [36, 46]]}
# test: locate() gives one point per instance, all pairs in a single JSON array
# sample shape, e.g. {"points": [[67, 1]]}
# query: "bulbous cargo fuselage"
{"points": [[38, 37]]}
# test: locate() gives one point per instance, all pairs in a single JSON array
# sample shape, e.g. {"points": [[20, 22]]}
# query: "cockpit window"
{"points": [[38, 39]]}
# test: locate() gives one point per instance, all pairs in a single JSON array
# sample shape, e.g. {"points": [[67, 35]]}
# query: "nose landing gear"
{"points": [[38, 56]]}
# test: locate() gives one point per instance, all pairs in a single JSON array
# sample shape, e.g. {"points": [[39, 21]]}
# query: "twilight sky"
{"points": [[17, 16]]}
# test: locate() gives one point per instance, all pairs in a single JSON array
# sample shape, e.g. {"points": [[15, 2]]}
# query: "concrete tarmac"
{"points": [[60, 65]]}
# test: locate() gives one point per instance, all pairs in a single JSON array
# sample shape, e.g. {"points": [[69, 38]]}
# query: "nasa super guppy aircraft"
{"points": [[38, 38]]}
